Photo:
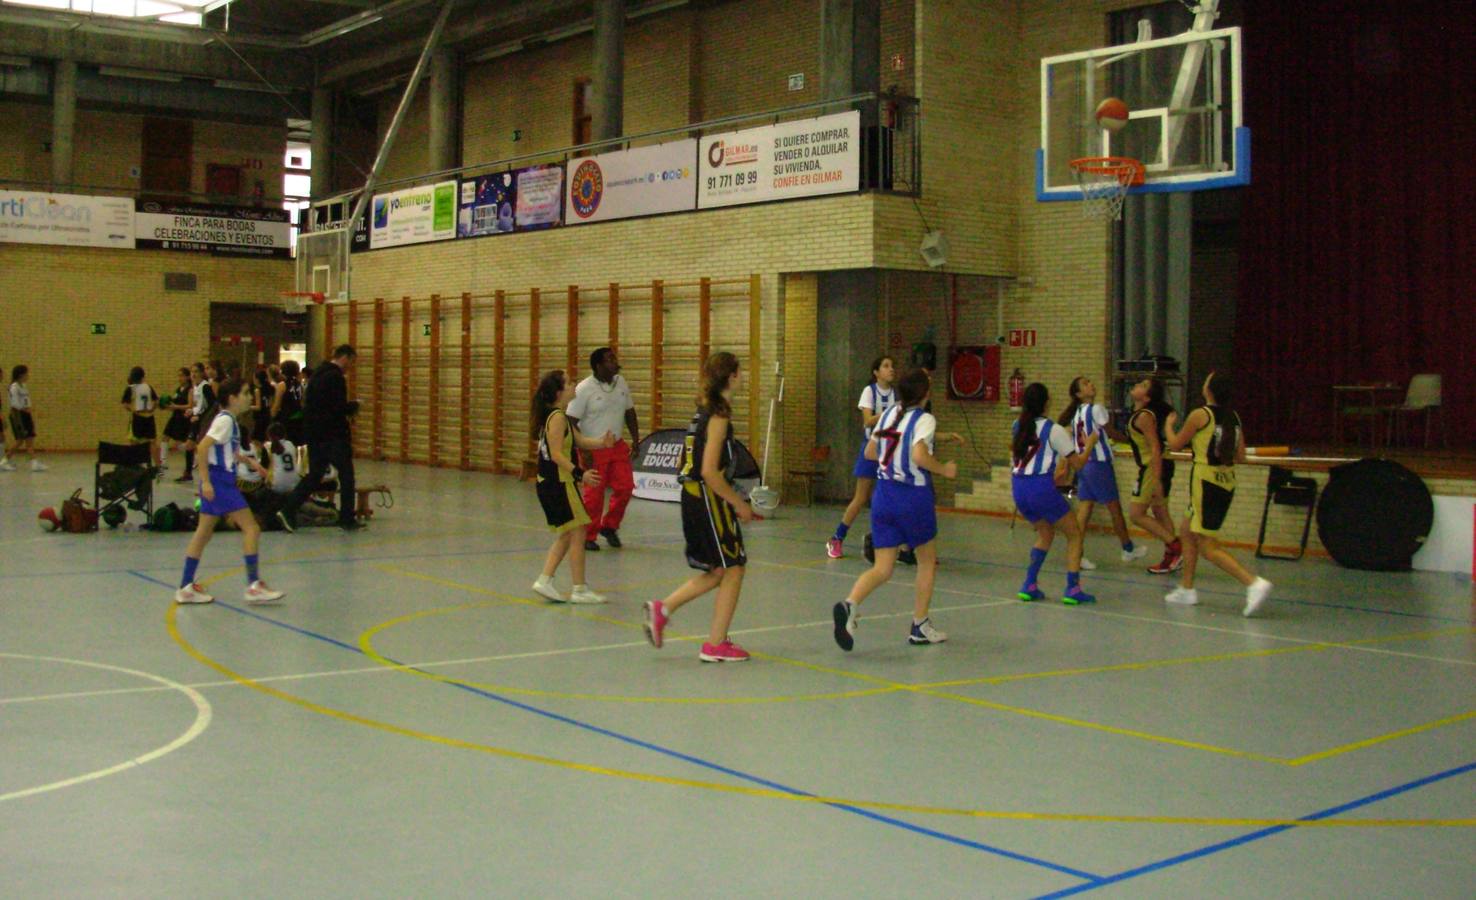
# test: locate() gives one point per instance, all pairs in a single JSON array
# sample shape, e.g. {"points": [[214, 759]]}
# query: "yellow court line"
{"points": [[1369, 742], [366, 644], [171, 622], [1191, 660], [882, 685]]}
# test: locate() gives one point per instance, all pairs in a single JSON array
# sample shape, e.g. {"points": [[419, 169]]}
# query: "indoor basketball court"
{"points": [[418, 715]]}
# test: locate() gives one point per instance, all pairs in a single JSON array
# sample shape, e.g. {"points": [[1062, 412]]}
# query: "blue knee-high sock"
{"points": [[1127, 545], [251, 576], [191, 564], [1073, 581], [1037, 559], [840, 531]]}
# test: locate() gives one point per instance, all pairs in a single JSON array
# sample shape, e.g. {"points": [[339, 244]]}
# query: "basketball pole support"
{"points": [[1204, 20], [432, 41]]}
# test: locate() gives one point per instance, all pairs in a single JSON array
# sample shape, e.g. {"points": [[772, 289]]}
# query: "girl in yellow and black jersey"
{"points": [[711, 511], [559, 477], [1213, 432]]}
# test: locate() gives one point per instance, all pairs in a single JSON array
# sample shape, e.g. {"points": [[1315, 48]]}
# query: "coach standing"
{"points": [[325, 426], [602, 403]]}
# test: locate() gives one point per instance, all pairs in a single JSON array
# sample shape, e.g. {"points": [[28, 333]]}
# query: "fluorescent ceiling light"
{"points": [[177, 12]]}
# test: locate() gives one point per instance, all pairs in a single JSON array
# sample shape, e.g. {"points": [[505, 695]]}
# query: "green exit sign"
{"points": [[99, 328], [425, 330]]}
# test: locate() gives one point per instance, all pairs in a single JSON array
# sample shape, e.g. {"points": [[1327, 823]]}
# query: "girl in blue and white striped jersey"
{"points": [[1043, 453], [902, 512], [219, 453], [1097, 482], [876, 398]]}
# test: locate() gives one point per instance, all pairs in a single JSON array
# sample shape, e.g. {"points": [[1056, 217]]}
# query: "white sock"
{"points": [[545, 579], [916, 621], [581, 587]]}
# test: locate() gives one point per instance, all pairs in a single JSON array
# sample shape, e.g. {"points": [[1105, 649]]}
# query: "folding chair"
{"points": [[127, 484], [1285, 489]]}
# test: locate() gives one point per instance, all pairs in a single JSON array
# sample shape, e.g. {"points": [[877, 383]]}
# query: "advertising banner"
{"points": [[539, 195], [804, 158], [413, 216], [73, 220], [658, 462], [638, 182], [217, 230], [487, 205]]}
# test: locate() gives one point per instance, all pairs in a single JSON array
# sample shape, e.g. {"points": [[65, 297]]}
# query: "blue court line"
{"points": [[329, 559], [1262, 833], [674, 754]]}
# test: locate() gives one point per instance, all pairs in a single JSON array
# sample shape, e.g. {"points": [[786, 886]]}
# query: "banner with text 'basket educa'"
{"points": [[803, 158], [658, 466]]}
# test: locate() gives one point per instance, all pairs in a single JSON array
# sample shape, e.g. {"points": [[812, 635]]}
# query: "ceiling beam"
{"points": [[505, 16]]}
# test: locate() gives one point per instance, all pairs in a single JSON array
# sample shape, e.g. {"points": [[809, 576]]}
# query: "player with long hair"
{"points": [[711, 511]]}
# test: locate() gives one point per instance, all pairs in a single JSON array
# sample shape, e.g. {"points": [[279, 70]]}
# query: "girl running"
{"points": [[876, 398], [903, 513], [177, 429], [221, 499], [1149, 508], [261, 409], [141, 401], [711, 511], [1097, 481], [23, 417], [287, 401], [559, 477], [1043, 452], [1213, 431]]}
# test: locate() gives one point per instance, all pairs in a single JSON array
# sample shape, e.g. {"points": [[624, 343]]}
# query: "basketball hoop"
{"points": [[295, 302], [1104, 182]]}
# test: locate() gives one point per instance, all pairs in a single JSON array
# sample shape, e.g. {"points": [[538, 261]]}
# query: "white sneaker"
{"points": [[1256, 594], [1087, 565], [582, 594], [6, 465], [544, 587], [924, 633], [38, 466], [192, 593], [260, 593], [1182, 596], [1138, 552]]}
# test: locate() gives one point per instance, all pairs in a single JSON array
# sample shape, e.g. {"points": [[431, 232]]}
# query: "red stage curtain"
{"points": [[1357, 229]]}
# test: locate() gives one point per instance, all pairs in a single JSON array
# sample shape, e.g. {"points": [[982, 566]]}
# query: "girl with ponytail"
{"points": [[1213, 432], [559, 477], [711, 511], [1039, 449]]}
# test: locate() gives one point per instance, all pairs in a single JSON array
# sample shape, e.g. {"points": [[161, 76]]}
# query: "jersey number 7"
{"points": [[892, 438]]}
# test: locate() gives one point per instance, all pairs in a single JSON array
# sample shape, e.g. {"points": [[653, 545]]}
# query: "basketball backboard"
{"points": [[1184, 113]]}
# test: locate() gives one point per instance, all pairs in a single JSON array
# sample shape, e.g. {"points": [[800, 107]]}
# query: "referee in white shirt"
{"points": [[602, 403]]}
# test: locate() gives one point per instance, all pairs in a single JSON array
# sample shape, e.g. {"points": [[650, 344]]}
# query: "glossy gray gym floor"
{"points": [[410, 722]]}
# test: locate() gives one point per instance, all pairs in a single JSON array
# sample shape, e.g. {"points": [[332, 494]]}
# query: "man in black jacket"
{"points": [[325, 426]]}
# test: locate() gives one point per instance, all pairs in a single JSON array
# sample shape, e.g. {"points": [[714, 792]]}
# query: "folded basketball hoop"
{"points": [[1104, 182], [295, 302]]}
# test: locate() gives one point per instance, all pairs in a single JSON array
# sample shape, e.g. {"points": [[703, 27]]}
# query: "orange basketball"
{"points": [[1112, 114]]}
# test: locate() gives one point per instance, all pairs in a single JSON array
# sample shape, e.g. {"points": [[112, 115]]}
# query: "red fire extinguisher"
{"points": [[1017, 390]]}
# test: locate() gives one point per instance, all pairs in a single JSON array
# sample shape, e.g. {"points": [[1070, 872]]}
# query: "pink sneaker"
{"points": [[655, 622], [834, 549], [727, 651]]}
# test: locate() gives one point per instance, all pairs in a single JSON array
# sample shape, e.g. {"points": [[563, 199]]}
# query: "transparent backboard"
{"points": [[1184, 116]]}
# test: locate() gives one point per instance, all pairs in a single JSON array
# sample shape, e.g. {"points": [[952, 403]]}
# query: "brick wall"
{"points": [[108, 149], [54, 294]]}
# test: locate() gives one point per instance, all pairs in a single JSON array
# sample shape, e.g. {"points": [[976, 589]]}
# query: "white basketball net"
{"points": [[1104, 186]]}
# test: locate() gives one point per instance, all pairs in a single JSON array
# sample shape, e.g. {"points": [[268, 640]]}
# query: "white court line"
{"points": [[472, 660], [203, 713]]}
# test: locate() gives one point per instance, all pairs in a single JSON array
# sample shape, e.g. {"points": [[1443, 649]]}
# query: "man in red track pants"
{"points": [[602, 403]]}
